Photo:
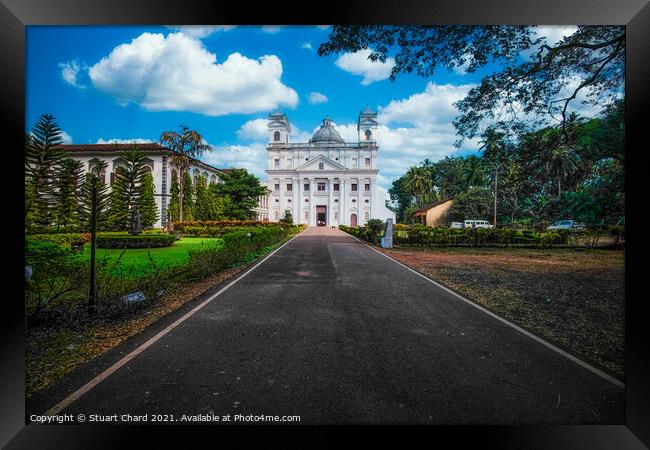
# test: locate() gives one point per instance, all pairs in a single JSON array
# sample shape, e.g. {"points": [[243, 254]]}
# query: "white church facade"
{"points": [[326, 181]]}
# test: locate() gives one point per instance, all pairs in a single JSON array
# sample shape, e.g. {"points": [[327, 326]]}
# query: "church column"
{"points": [[360, 214], [330, 202], [372, 195], [312, 222], [343, 219], [299, 203]]}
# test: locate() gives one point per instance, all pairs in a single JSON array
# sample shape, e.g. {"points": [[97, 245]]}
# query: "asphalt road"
{"points": [[334, 332]]}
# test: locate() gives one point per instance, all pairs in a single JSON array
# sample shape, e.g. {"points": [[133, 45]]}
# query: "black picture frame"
{"points": [[635, 14]]}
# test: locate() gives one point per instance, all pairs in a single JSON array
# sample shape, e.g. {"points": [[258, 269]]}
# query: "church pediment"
{"points": [[314, 164]]}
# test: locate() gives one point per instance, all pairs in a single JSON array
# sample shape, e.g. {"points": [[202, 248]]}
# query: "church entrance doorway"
{"points": [[353, 220], [321, 216]]}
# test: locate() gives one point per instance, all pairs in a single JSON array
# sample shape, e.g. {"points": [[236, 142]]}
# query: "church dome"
{"points": [[326, 133]]}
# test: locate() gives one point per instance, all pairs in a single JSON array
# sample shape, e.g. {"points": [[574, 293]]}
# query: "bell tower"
{"points": [[367, 126], [279, 128]]}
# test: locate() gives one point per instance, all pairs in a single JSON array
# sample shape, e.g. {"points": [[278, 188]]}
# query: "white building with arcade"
{"points": [[326, 181]]}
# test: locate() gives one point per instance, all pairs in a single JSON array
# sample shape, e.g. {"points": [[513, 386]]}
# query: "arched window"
{"points": [[336, 215], [306, 215], [368, 134], [321, 166], [277, 214], [276, 136], [367, 216]]}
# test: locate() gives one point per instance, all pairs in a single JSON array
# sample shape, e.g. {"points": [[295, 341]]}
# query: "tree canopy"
{"points": [[537, 81]]}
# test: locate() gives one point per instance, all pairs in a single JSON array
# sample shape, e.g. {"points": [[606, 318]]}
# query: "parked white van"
{"points": [[456, 225], [473, 223]]}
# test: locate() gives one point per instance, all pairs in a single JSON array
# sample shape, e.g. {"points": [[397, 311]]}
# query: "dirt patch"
{"points": [[572, 298]]}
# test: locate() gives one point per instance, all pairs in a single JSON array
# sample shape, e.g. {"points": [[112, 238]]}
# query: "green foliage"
{"points": [[67, 192], [204, 205], [287, 217], [594, 56], [174, 206], [126, 189], [58, 238], [146, 202], [242, 189], [375, 228], [43, 154], [94, 182], [187, 197], [473, 204], [139, 241], [236, 247]]}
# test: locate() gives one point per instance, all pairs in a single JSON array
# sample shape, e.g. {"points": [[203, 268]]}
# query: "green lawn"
{"points": [[135, 263]]}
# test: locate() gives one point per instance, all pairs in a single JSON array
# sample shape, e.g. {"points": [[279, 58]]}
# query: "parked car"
{"points": [[473, 223], [567, 225], [456, 225]]}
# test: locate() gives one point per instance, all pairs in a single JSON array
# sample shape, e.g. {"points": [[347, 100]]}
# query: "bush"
{"points": [[375, 228], [140, 241], [236, 247], [58, 238]]}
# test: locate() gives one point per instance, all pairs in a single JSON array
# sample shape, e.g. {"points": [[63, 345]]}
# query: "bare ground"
{"points": [[572, 298]]}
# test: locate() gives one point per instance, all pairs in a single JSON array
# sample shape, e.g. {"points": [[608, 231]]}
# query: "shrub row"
{"points": [[58, 238], [181, 226], [236, 247], [140, 241]]}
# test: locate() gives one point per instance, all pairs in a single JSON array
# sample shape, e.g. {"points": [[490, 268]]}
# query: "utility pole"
{"points": [[496, 177], [93, 235]]}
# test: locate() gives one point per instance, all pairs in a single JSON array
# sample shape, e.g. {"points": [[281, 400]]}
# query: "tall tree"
{"points": [[203, 203], [185, 144], [537, 80], [400, 194], [187, 196], [418, 183], [174, 194], [473, 172], [67, 192], [125, 191], [561, 161], [147, 202], [493, 153], [93, 181], [242, 190], [43, 154]]}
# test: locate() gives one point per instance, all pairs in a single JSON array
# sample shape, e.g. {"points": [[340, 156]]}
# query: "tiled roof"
{"points": [[427, 207], [143, 147]]}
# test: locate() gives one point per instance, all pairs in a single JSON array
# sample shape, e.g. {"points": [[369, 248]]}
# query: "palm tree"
{"points": [[561, 161], [473, 172], [186, 144], [493, 149], [418, 183]]}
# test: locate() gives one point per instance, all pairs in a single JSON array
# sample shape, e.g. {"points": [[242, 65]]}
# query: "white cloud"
{"points": [[433, 106], [66, 138], [201, 31], [124, 141], [70, 71], [256, 129], [358, 63], [306, 45], [316, 97], [554, 33], [250, 157], [272, 29], [177, 73]]}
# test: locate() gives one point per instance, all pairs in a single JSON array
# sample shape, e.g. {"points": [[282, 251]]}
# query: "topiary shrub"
{"points": [[58, 238], [141, 241]]}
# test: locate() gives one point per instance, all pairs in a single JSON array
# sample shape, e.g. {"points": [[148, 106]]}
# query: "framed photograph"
{"points": [[239, 219]]}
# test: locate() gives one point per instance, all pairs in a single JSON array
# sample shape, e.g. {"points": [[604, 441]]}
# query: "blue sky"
{"points": [[107, 84]]}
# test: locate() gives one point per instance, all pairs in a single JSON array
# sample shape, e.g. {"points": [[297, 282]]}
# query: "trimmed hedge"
{"points": [[58, 238], [182, 226], [140, 241]]}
